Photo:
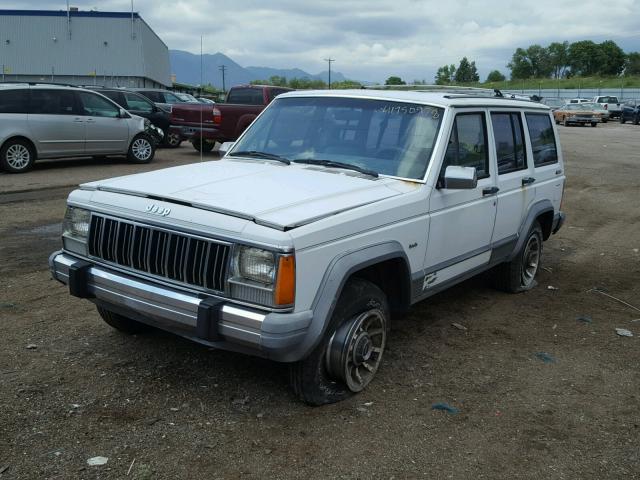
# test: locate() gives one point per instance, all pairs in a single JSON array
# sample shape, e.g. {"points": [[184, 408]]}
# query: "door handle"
{"points": [[528, 181], [78, 120], [490, 190], [91, 120]]}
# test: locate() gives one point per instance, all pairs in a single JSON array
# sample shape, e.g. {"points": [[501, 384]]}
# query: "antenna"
{"points": [[68, 20], [133, 33], [201, 140]]}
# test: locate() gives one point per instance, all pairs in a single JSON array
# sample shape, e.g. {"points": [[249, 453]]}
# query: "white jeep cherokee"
{"points": [[334, 211]]}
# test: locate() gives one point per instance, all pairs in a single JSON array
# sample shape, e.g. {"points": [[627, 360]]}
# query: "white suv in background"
{"points": [[40, 121], [330, 216]]}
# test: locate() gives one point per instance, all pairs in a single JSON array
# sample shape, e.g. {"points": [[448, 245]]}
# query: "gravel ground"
{"points": [[543, 385]]}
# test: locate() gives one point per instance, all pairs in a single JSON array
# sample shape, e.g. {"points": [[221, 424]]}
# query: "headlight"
{"points": [[262, 277], [256, 264], [76, 223], [75, 230]]}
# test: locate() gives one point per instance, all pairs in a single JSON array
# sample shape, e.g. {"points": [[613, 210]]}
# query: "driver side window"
{"points": [[468, 144]]}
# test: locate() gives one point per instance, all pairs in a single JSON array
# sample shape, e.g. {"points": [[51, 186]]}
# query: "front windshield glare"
{"points": [[391, 138]]}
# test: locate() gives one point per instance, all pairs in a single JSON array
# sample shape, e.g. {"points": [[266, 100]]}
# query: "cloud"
{"points": [[373, 39]]}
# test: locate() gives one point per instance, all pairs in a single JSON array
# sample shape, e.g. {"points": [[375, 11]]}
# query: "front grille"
{"points": [[178, 257]]}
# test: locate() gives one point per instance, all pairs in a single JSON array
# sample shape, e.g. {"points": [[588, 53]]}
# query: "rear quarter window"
{"points": [[543, 139], [14, 101], [246, 96]]}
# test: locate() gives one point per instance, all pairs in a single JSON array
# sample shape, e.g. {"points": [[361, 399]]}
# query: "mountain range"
{"points": [[186, 67]]}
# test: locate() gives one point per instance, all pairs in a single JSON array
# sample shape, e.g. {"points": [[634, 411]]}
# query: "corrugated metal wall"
{"points": [[39, 45]]}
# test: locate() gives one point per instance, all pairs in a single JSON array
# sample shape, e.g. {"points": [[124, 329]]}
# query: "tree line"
{"points": [[305, 83], [557, 60]]}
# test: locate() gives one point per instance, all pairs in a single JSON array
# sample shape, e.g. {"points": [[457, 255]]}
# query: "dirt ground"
{"points": [[157, 406]]}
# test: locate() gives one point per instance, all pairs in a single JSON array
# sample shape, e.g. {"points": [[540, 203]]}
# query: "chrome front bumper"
{"points": [[209, 320]]}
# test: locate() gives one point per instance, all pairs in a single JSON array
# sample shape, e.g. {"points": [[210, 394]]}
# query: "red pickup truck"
{"points": [[206, 124]]}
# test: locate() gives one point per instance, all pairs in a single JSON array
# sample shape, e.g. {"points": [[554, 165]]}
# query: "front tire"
{"points": [[122, 323], [172, 140], [17, 156], [350, 353], [622, 119], [141, 150], [519, 275], [594, 124]]}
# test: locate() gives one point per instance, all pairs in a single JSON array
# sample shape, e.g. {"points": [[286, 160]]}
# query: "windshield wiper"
{"points": [[257, 154], [332, 163]]}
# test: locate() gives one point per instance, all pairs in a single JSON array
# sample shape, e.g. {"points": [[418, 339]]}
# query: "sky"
{"points": [[371, 40]]}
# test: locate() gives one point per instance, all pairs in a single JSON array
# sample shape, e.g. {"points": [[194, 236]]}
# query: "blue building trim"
{"points": [[63, 13]]}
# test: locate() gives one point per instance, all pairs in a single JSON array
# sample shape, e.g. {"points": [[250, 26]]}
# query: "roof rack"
{"points": [[8, 82], [454, 91]]}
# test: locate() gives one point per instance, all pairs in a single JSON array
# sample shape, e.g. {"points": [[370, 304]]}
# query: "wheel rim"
{"points": [[173, 139], [141, 149], [530, 260], [18, 156], [355, 349]]}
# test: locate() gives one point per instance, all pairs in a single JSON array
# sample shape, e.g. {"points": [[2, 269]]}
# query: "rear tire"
{"points": [[206, 146], [518, 275], [347, 358], [141, 150], [17, 156], [622, 119], [636, 120], [122, 323], [594, 124]]}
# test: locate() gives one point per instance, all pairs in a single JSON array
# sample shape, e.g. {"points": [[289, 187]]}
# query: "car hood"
{"points": [[268, 193]]}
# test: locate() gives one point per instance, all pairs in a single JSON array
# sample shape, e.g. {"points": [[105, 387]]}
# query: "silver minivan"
{"points": [[40, 121]]}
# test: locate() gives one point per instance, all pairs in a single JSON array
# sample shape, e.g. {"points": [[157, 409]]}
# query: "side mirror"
{"points": [[460, 178], [123, 113], [225, 147]]}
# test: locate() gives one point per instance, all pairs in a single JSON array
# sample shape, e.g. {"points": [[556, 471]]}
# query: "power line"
{"points": [[329, 60]]}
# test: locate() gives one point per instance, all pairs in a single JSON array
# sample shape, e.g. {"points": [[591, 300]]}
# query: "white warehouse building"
{"points": [[81, 48]]}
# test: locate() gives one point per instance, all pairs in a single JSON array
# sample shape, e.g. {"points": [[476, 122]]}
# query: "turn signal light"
{"points": [[285, 291]]}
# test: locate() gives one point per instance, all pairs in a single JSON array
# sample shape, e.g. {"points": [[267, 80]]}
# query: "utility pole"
{"points": [[329, 60], [222, 68]]}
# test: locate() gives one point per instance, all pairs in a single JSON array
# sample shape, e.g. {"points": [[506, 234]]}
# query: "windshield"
{"points": [[391, 138]]}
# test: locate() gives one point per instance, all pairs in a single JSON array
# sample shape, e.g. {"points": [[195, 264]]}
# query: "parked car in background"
{"points": [[140, 105], [610, 103], [204, 125], [39, 121], [187, 98], [163, 98], [630, 112], [577, 114], [553, 103]]}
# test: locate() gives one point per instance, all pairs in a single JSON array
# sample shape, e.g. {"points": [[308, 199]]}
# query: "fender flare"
{"points": [[534, 212], [335, 277]]}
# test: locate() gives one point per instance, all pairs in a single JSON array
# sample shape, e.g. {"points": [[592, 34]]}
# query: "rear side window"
{"points": [[115, 96], [543, 140], [508, 133], [154, 96], [96, 106], [14, 101], [246, 96], [468, 144], [138, 103], [53, 102]]}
